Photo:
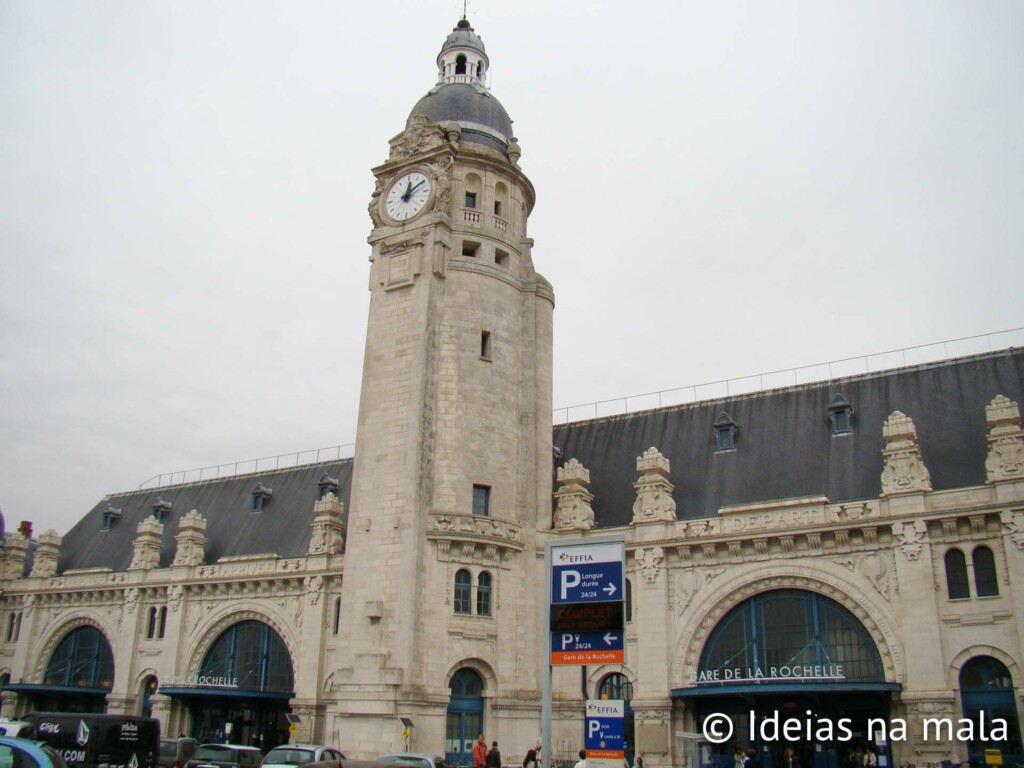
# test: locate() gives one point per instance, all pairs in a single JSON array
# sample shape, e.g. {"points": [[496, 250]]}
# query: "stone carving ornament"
{"points": [[910, 537], [190, 540], [418, 137], [1013, 525], [904, 470], [146, 554], [654, 501], [648, 563], [573, 512], [1005, 459]]}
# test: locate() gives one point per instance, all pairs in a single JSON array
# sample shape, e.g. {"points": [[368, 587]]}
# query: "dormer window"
{"points": [[326, 485], [160, 510], [260, 496], [110, 515], [840, 415], [725, 433]]}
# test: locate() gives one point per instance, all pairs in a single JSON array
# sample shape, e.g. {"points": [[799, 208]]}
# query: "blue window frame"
{"points": [[483, 594], [788, 627], [82, 659], [255, 654], [465, 720], [986, 690], [463, 591]]}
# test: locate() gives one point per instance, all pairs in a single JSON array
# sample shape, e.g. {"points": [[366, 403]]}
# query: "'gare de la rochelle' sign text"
{"points": [[801, 672]]}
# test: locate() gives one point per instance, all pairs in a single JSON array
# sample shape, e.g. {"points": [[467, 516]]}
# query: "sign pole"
{"points": [[586, 610], [546, 754]]}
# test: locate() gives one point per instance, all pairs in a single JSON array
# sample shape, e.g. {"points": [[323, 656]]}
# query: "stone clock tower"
{"points": [[452, 475]]}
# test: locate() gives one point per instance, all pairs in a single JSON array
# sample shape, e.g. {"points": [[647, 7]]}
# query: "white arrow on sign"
{"points": [[610, 589], [609, 637]]}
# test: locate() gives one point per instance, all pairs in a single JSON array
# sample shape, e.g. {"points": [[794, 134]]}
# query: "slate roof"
{"points": [[231, 527], [784, 449], [472, 106], [784, 444]]}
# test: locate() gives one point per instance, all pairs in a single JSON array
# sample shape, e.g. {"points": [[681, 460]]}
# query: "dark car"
{"points": [[174, 753], [225, 756]]}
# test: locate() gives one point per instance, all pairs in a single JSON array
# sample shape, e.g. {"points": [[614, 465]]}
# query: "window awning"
{"points": [[783, 689], [185, 691]]}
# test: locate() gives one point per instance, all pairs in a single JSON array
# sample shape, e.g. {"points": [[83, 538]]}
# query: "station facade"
{"points": [[841, 552]]}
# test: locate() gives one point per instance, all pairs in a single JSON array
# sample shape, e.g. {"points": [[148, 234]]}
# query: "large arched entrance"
{"points": [[78, 676], [242, 690], [465, 720], [986, 693], [790, 654]]}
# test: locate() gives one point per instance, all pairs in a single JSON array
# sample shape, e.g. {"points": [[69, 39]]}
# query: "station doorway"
{"points": [[796, 656]]}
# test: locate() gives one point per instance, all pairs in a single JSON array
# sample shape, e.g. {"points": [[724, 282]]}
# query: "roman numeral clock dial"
{"points": [[407, 196]]}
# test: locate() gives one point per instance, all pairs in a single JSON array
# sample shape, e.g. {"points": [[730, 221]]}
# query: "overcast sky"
{"points": [[722, 189]]}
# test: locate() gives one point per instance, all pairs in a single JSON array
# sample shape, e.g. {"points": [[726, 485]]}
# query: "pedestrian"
{"points": [[480, 752], [639, 761], [582, 762], [493, 756], [530, 761]]}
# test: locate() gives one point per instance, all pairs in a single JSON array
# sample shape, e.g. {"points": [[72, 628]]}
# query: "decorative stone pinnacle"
{"points": [[654, 502], [904, 470], [1005, 460], [573, 512], [652, 462]]}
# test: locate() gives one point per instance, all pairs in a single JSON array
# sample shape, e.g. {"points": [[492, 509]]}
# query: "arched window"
{"points": [[463, 591], [83, 659], [985, 581], [986, 690], [956, 575], [465, 719], [163, 621], [149, 687], [789, 628], [252, 653], [151, 624], [460, 65], [337, 616], [483, 594]]}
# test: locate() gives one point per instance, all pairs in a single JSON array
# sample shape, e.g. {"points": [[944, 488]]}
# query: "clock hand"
{"points": [[408, 191], [422, 181]]}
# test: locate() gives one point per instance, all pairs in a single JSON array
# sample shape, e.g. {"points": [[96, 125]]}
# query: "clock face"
{"points": [[407, 196]]}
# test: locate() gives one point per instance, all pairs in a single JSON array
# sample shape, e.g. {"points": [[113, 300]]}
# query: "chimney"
{"points": [[25, 529]]}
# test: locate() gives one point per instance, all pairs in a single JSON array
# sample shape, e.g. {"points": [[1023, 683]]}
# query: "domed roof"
{"points": [[482, 117], [463, 36]]}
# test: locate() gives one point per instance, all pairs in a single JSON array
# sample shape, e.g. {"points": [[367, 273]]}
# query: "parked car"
{"points": [[225, 756], [26, 752], [288, 755], [10, 727], [174, 753], [94, 740], [413, 760]]}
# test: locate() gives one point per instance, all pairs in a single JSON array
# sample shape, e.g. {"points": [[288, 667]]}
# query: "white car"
{"points": [[290, 755]]}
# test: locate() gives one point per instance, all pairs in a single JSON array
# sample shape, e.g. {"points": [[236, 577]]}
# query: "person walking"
{"points": [[493, 756], [582, 762], [480, 752], [530, 761]]}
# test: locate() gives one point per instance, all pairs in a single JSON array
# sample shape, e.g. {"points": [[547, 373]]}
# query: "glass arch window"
{"points": [[483, 594], [83, 659], [986, 690], [957, 586], [254, 655], [792, 630], [986, 584], [463, 591]]}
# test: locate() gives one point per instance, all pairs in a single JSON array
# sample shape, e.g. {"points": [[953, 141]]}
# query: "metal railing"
{"points": [[249, 466], [805, 374], [849, 366]]}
